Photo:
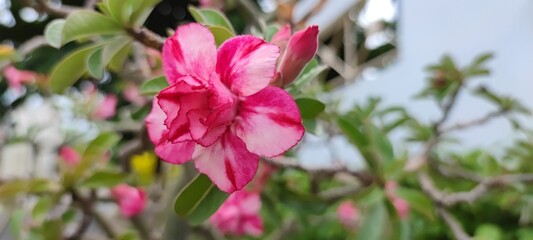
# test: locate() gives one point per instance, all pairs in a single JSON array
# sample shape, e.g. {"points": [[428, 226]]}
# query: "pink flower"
{"points": [[15, 77], [301, 48], [131, 200], [106, 108], [402, 206], [132, 94], [281, 38], [219, 109], [69, 155], [348, 214], [239, 215]]}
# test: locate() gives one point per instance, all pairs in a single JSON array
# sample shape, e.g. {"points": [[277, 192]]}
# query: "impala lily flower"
{"points": [[15, 78], [239, 215], [348, 214], [69, 155], [219, 109], [106, 108], [402, 206], [131, 200], [297, 51]]}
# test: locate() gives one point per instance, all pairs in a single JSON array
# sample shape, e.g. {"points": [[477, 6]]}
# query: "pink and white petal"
{"points": [[155, 122], [251, 203], [191, 51], [175, 153], [246, 64], [228, 163], [253, 226], [269, 122]]}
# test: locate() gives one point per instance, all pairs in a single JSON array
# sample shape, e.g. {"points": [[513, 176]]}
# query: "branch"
{"points": [[58, 11], [454, 225], [147, 37], [475, 122], [364, 177], [87, 208]]}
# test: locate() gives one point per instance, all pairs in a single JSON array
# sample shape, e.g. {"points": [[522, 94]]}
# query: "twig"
{"points": [[364, 177], [147, 37], [31, 44], [58, 11], [141, 227], [454, 225], [475, 122], [87, 208]]}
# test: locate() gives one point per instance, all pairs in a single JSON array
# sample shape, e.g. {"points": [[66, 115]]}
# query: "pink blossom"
{"points": [[132, 94], [402, 206], [348, 214], [281, 38], [15, 78], [131, 200], [301, 48], [106, 108], [69, 155], [239, 215], [219, 109]]}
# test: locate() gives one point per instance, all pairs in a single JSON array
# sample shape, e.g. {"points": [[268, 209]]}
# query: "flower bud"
{"points": [[131, 200], [300, 50]]}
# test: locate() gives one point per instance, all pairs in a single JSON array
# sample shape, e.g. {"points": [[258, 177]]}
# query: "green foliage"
{"points": [[310, 108], [154, 86], [211, 17], [84, 23], [104, 179], [198, 200]]}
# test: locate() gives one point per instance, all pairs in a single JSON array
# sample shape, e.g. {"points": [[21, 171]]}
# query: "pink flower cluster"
{"points": [[16, 78], [220, 109], [348, 214], [402, 206], [239, 215], [131, 200]]}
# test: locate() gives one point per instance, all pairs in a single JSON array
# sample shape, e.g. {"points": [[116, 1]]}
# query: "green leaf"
{"points": [[199, 200], [139, 16], [211, 17], [41, 208], [70, 68], [54, 32], [270, 31], [154, 86], [373, 225], [52, 229], [68, 216], [85, 23], [418, 201], [309, 107], [310, 125], [94, 151], [488, 232], [116, 52], [310, 72], [12, 188], [221, 34], [105, 179], [95, 65]]}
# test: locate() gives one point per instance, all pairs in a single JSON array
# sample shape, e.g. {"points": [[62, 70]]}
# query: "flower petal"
{"points": [[269, 122], [176, 153], [246, 64], [228, 163], [300, 50], [191, 51]]}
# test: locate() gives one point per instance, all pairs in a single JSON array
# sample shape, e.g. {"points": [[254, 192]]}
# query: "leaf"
{"points": [[41, 208], [95, 65], [418, 201], [270, 31], [139, 16], [70, 68], [199, 200], [211, 17], [488, 232], [310, 108], [154, 86], [54, 32], [95, 150], [116, 52], [221, 34], [373, 225], [310, 72], [105, 179], [52, 229], [13, 188], [85, 23]]}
